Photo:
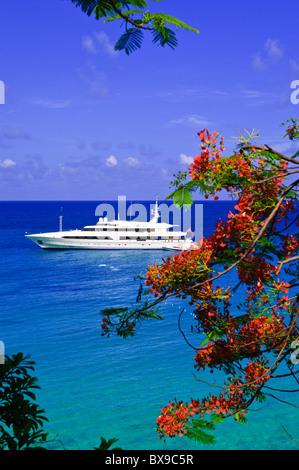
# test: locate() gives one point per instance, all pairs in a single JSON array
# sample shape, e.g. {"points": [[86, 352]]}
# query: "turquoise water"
{"points": [[93, 386]]}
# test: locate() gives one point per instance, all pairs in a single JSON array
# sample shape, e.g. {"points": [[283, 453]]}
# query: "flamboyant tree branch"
{"points": [[269, 149], [288, 260], [249, 348], [254, 242], [232, 266], [128, 19]]}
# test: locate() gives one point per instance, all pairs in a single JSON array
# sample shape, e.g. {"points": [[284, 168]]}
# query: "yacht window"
{"points": [[82, 238]]}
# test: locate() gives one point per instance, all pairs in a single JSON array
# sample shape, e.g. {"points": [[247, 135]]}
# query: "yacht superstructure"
{"points": [[117, 235]]}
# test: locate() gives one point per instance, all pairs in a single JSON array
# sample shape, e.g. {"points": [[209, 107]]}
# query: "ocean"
{"points": [[93, 386]]}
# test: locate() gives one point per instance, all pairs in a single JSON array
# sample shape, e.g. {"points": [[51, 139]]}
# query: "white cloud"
{"points": [[186, 160], [6, 163], [106, 44], [51, 104], [88, 44], [287, 148], [272, 52], [99, 42], [193, 120], [131, 161], [94, 81], [258, 62], [272, 48], [111, 161], [14, 133], [294, 64]]}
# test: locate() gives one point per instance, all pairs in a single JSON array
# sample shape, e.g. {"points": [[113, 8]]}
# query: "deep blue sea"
{"points": [[93, 386]]}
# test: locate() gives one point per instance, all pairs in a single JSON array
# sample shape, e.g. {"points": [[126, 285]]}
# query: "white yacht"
{"points": [[117, 235]]}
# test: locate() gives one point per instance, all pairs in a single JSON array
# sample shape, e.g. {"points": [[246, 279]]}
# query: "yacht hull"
{"points": [[116, 235], [61, 244]]}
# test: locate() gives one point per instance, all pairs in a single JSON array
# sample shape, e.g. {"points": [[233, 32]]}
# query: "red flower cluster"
{"points": [[255, 270], [177, 273], [175, 419], [239, 339], [106, 322], [257, 180]]}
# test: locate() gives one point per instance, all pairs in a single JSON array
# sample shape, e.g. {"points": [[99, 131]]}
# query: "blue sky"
{"points": [[83, 122]]}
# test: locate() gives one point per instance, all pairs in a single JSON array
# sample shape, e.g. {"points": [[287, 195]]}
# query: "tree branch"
{"points": [[288, 260], [288, 434], [128, 19], [269, 149], [254, 242], [276, 176]]}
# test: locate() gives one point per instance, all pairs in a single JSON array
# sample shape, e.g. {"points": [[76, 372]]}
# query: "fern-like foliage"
{"points": [[105, 445], [87, 6], [163, 36], [130, 41], [136, 18], [198, 432]]}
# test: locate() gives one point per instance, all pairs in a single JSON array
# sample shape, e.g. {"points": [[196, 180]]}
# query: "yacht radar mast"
{"points": [[155, 212]]}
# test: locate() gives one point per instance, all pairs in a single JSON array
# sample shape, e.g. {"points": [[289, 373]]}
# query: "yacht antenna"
{"points": [[155, 211], [60, 220]]}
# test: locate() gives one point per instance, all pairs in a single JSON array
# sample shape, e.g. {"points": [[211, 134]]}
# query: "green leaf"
{"points": [[266, 242], [130, 41], [172, 20], [137, 3], [88, 6], [125, 13], [113, 311], [182, 197], [198, 434], [240, 417], [164, 36], [217, 418], [106, 444]]}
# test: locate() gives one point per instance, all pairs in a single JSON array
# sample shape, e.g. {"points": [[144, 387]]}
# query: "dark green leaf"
{"points": [[130, 41], [197, 432], [163, 36]]}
